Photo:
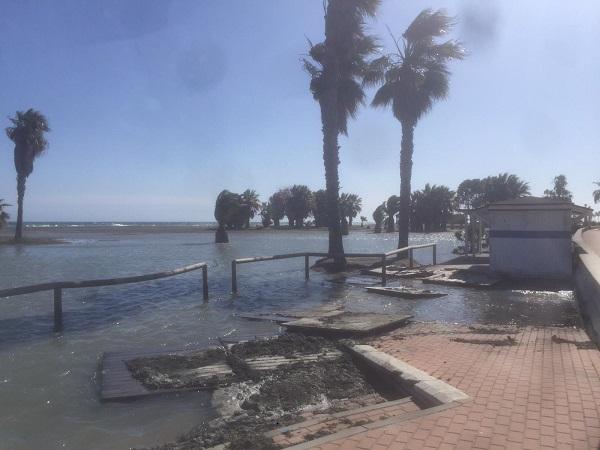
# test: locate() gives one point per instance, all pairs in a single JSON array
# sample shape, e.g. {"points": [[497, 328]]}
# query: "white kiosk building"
{"points": [[530, 237]]}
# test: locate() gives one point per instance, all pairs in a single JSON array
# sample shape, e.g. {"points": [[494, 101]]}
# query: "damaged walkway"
{"points": [[539, 392]]}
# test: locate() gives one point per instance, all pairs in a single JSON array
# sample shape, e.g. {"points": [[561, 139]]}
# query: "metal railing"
{"points": [[57, 287], [383, 256]]}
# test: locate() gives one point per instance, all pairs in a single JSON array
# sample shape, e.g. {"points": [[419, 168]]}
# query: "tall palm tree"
{"points": [[27, 133], [3, 214], [337, 68], [411, 81], [597, 192]]}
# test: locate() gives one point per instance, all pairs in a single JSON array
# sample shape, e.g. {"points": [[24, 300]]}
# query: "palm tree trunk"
{"points": [[406, 153], [20, 196], [332, 183]]}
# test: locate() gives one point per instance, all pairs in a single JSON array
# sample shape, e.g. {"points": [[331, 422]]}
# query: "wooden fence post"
{"points": [[306, 268], [434, 254], [383, 271], [410, 258], [205, 283], [58, 319], [233, 277]]}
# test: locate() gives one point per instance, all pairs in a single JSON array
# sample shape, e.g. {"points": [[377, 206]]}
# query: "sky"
{"points": [[156, 106]]}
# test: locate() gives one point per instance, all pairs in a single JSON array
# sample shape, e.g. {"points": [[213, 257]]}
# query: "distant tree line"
{"points": [[433, 207], [296, 203]]}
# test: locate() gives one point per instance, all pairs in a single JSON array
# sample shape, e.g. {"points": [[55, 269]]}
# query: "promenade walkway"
{"points": [[541, 392], [592, 238]]}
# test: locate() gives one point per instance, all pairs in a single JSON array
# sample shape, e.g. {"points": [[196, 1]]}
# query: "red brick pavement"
{"points": [[536, 394]]}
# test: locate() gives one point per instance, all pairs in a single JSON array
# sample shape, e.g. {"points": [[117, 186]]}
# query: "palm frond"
{"points": [[374, 72], [384, 95], [428, 25]]}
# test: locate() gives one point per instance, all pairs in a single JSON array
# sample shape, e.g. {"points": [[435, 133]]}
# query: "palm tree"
{"points": [[363, 220], [299, 204], [597, 192], [476, 193], [278, 201], [392, 207], [229, 214], [560, 191], [431, 208], [3, 214], [251, 205], [350, 206], [411, 81], [337, 67], [27, 133], [266, 214], [320, 208], [503, 187], [379, 216]]}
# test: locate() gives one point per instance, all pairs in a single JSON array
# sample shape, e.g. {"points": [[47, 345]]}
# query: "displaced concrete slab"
{"points": [[405, 292], [477, 276], [348, 324], [289, 316]]}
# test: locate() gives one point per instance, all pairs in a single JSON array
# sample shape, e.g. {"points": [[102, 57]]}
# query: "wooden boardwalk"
{"points": [[116, 382]]}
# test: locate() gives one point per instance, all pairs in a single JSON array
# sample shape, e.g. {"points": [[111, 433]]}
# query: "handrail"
{"points": [[58, 286], [306, 256]]}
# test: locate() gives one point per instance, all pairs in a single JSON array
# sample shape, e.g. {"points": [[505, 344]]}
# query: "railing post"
{"points": [[383, 271], [58, 319], [205, 283], [306, 267], [233, 277], [410, 258], [434, 254]]}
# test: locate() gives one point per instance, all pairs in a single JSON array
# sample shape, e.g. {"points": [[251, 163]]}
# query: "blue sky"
{"points": [[156, 106]]}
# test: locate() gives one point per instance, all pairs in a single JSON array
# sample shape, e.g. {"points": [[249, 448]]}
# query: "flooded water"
{"points": [[48, 386]]}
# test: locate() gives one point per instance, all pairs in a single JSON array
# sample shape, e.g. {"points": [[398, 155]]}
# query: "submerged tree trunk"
{"points": [[221, 236], [344, 227], [389, 224], [20, 195], [406, 153]]}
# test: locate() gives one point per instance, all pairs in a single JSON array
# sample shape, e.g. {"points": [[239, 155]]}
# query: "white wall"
{"points": [[530, 255]]}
